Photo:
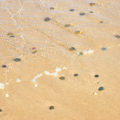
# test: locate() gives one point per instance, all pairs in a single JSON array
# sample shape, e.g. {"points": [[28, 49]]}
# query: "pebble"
{"points": [[117, 36], [18, 80], [101, 21], [62, 78], [17, 59], [76, 74], [103, 49], [79, 53], [10, 35], [82, 14], [72, 49], [92, 4], [51, 107], [36, 85], [52, 8], [67, 25], [91, 12], [96, 75], [4, 66], [47, 19], [101, 88], [95, 93], [1, 110], [72, 10]]}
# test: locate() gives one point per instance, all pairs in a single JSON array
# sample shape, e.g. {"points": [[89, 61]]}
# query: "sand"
{"points": [[59, 60]]}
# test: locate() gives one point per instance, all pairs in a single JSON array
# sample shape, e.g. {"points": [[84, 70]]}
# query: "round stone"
{"points": [[62, 78], [17, 59], [47, 19], [101, 88], [51, 107]]}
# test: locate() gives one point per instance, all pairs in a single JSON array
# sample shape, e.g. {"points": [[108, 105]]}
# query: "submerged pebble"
{"points": [[103, 49], [72, 10], [47, 19], [96, 76], [67, 25], [17, 59], [72, 48], [1, 110], [62, 78], [51, 107], [10, 35], [92, 4], [82, 14], [76, 74], [117, 36], [4, 66], [52, 8], [101, 88]]}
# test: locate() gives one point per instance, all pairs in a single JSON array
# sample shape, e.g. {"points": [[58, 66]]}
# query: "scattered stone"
{"points": [[101, 21], [103, 49], [1, 110], [72, 10], [10, 35], [96, 76], [4, 66], [62, 78], [91, 12], [35, 51], [78, 32], [117, 36], [76, 74], [95, 93], [92, 4], [82, 14], [72, 49], [79, 53], [52, 8], [51, 107], [47, 19], [67, 25], [101, 88], [17, 59]]}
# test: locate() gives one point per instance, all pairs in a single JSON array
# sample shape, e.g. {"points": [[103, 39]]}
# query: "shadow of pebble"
{"points": [[72, 48]]}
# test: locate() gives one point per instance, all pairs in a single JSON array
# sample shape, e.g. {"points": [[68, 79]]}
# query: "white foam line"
{"points": [[36, 77]]}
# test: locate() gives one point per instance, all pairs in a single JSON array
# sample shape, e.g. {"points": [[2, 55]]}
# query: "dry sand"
{"points": [[77, 38]]}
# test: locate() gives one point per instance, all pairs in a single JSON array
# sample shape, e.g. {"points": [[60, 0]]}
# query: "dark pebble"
{"points": [[51, 8], [4, 66], [47, 19], [51, 107], [96, 76], [117, 36], [91, 4], [101, 21], [101, 88], [62, 78], [72, 10], [76, 74], [17, 59], [67, 25], [82, 14], [10, 35], [91, 12], [72, 49], [1, 110], [103, 49]]}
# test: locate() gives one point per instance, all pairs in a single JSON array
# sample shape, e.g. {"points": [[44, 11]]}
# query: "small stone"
{"points": [[72, 10], [103, 49], [95, 93], [51, 107], [7, 95], [96, 76], [72, 49], [76, 74], [91, 12], [92, 4], [36, 85], [101, 88], [79, 53], [101, 21], [117, 36], [35, 51], [10, 35], [1, 110], [62, 78], [4, 66], [82, 14], [67, 25], [51, 8], [47, 19], [17, 59], [78, 32]]}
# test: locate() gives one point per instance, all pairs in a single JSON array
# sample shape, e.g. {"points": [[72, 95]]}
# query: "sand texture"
{"points": [[59, 59]]}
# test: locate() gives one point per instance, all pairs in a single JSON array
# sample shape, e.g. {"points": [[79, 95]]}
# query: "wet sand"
{"points": [[59, 60]]}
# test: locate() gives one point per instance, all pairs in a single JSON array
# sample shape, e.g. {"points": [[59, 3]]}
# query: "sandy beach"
{"points": [[59, 60]]}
